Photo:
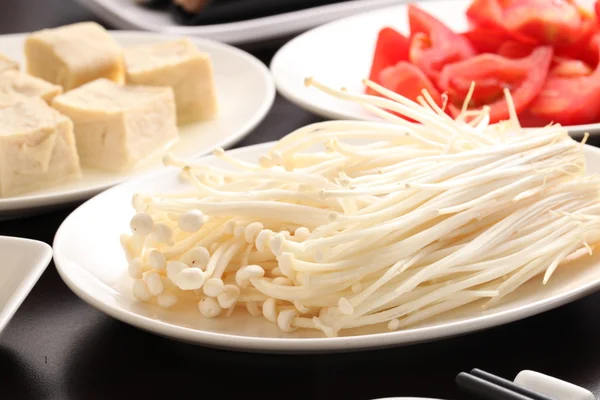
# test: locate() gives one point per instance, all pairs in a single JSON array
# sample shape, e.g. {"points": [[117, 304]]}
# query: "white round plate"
{"points": [[89, 258], [339, 54], [245, 93]]}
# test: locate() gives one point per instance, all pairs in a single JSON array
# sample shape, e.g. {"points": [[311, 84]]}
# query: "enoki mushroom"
{"points": [[388, 223]]}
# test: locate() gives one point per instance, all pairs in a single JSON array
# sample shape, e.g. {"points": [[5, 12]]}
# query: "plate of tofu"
{"points": [[83, 109]]}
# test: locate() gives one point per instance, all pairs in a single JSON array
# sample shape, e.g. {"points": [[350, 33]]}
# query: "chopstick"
{"points": [[486, 390], [505, 383]]}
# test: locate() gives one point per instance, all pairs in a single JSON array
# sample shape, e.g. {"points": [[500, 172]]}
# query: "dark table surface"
{"points": [[58, 347]]}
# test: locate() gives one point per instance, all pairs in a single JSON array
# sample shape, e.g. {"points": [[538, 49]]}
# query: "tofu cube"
{"points": [[178, 64], [117, 126], [75, 54], [8, 64], [37, 147], [16, 82]]}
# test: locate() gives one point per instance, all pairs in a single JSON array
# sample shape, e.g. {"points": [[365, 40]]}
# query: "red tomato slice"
{"points": [[527, 119], [597, 8], [570, 100], [487, 13], [556, 22], [582, 49], [433, 44], [492, 73], [408, 80], [391, 48], [487, 40], [513, 49], [569, 68]]}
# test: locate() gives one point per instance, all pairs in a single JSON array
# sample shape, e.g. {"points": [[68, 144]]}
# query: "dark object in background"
{"points": [[505, 383], [490, 387], [153, 3], [209, 12], [192, 6]]}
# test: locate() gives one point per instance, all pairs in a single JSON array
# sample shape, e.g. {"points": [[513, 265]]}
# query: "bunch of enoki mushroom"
{"points": [[390, 223]]}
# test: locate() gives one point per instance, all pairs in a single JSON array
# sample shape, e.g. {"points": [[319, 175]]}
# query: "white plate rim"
{"points": [[39, 201], [293, 93], [24, 288], [242, 32], [302, 345]]}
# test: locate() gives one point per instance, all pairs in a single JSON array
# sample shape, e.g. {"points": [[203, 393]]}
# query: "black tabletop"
{"points": [[58, 347]]}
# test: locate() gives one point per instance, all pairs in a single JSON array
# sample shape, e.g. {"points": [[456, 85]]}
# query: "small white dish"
{"points": [[89, 258], [339, 54], [22, 262], [125, 14], [245, 93]]}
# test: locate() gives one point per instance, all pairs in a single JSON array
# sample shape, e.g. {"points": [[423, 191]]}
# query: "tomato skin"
{"points": [[391, 48], [433, 44], [492, 73], [408, 80], [570, 100]]}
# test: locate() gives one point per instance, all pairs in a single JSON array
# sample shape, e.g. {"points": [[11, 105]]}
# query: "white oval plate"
{"points": [[89, 258], [22, 262], [126, 14], [339, 54], [245, 93]]}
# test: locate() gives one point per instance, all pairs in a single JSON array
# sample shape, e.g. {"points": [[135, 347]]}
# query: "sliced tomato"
{"points": [[423, 22], [569, 68], [491, 73], [487, 13], [408, 80], [583, 49], [570, 100], [514, 49], [487, 40], [556, 22], [433, 44], [391, 47], [527, 119], [597, 8]]}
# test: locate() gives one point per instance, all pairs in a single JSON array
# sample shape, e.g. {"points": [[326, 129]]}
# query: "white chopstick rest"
{"points": [[552, 387]]}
